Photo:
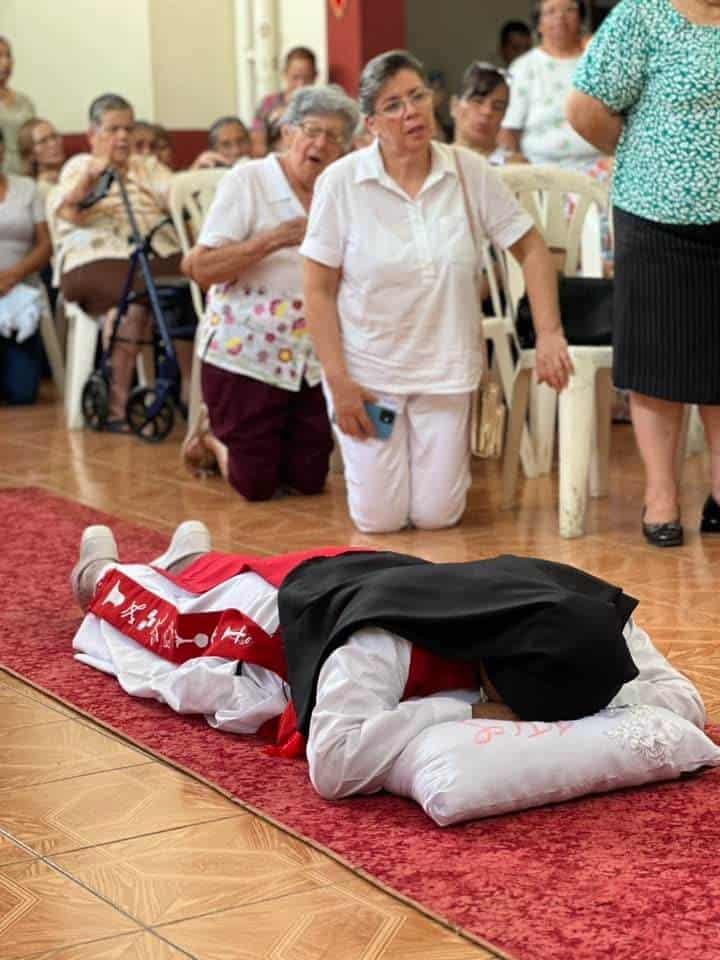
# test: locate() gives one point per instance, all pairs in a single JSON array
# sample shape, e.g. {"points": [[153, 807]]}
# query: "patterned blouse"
{"points": [[105, 231], [256, 325], [662, 73]]}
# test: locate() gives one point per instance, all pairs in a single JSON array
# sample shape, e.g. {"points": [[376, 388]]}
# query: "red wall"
{"points": [[368, 27]]}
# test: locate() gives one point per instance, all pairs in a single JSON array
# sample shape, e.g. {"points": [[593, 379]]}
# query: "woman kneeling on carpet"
{"points": [[268, 426], [204, 632]]}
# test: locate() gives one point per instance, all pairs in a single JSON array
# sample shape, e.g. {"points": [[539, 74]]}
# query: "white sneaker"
{"points": [[97, 545], [191, 537]]}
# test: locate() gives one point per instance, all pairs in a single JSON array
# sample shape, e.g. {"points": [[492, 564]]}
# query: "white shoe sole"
{"points": [[97, 543], [191, 537]]}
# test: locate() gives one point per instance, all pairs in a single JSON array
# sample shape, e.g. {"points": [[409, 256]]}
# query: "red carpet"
{"points": [[627, 876]]}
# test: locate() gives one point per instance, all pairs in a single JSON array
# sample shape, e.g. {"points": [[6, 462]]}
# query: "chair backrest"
{"points": [[191, 194], [565, 207]]}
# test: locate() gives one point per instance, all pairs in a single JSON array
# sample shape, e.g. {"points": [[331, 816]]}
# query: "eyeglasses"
{"points": [[398, 106], [549, 12], [313, 131]]}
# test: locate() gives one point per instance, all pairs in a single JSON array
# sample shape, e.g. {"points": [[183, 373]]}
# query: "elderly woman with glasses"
{"points": [[535, 123], [267, 427], [390, 282]]}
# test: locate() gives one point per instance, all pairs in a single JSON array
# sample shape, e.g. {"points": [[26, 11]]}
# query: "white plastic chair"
{"points": [[82, 334], [585, 405], [191, 194]]}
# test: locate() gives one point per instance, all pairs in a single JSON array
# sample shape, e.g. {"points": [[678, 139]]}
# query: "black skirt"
{"points": [[666, 318]]}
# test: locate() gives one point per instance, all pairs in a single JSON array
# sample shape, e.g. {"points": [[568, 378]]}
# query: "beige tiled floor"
{"points": [[94, 867]]}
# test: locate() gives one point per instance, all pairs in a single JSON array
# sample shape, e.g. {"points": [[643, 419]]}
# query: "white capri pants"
{"points": [[420, 475]]}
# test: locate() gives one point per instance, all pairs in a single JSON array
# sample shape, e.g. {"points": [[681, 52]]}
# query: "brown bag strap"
{"points": [[466, 203]]}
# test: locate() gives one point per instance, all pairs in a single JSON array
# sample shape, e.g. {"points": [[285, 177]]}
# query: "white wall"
{"points": [[193, 61], [303, 23], [69, 51]]}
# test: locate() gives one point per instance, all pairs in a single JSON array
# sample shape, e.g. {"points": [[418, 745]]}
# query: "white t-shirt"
{"points": [[539, 90], [256, 326], [407, 300], [20, 211]]}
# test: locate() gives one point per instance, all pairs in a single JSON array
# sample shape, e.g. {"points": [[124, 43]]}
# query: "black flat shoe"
{"points": [[710, 520], [663, 534]]}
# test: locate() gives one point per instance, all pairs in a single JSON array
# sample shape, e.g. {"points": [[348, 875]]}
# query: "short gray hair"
{"points": [[104, 104], [322, 102], [382, 68]]}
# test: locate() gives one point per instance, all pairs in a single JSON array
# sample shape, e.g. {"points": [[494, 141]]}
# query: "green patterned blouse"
{"points": [[662, 73]]}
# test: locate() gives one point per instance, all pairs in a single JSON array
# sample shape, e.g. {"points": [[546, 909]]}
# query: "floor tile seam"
{"points": [[244, 905], [31, 725], [4, 832], [21, 785], [111, 939], [139, 836]]}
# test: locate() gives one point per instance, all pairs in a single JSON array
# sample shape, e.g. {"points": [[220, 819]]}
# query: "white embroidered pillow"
{"points": [[478, 768]]}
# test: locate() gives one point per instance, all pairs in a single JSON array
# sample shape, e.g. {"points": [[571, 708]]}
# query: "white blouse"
{"points": [[407, 301]]}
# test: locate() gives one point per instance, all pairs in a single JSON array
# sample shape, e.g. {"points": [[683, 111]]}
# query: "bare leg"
{"points": [[135, 326], [184, 351], [657, 430], [219, 450], [711, 421]]}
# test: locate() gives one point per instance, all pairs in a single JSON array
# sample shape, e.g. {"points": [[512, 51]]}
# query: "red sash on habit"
{"points": [[181, 637]]}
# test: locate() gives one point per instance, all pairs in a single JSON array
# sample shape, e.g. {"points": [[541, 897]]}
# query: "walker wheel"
{"points": [[151, 415], [95, 401]]}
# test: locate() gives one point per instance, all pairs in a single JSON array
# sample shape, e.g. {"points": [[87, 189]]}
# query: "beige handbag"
{"points": [[489, 413]]}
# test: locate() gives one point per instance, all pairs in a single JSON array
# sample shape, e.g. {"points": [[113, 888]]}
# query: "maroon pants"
{"points": [[274, 437]]}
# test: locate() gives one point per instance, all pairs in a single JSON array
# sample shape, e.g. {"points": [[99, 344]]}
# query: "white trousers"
{"points": [[420, 475]]}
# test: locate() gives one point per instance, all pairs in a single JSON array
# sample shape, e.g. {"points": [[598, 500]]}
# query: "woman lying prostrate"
{"points": [[372, 691]]}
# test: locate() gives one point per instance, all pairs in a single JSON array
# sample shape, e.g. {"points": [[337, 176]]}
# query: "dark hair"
{"points": [[299, 53], [513, 26], [2, 136], [537, 7], [379, 70], [480, 79], [214, 130], [104, 104]]}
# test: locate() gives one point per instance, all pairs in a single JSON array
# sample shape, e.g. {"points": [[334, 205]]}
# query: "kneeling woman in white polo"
{"points": [[391, 304]]}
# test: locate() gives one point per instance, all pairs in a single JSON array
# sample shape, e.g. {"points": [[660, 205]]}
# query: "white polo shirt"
{"points": [[256, 325], [407, 300]]}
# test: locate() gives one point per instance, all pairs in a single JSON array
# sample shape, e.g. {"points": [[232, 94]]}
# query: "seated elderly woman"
{"points": [[260, 376], [391, 263], [42, 153], [541, 80], [228, 140], [478, 112], [299, 70], [95, 242], [24, 251]]}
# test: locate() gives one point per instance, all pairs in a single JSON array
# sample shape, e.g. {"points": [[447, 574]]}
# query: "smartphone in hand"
{"points": [[383, 419]]}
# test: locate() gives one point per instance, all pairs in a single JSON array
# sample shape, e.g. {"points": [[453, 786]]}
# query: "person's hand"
{"points": [[8, 279], [290, 233], [552, 360], [485, 710], [208, 159], [349, 400], [97, 166]]}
